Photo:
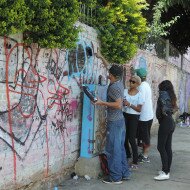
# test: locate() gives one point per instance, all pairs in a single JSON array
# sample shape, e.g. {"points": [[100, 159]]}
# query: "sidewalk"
{"points": [[143, 178]]}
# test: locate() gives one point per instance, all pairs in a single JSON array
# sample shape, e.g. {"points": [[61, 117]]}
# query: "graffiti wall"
{"points": [[159, 70], [41, 102], [40, 105]]}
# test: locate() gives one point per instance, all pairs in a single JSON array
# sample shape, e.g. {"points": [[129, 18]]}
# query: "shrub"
{"points": [[50, 23], [121, 28]]}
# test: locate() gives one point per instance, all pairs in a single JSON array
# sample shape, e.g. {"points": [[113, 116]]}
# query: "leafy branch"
{"points": [[157, 28]]}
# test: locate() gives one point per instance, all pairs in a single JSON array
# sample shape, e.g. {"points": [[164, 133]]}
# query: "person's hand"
{"points": [[98, 54], [126, 103], [98, 102]]}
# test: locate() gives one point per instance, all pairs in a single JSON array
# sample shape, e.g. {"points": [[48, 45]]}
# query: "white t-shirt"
{"points": [[136, 99], [147, 108]]}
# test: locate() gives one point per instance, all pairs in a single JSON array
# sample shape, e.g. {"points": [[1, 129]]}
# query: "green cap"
{"points": [[141, 72]]}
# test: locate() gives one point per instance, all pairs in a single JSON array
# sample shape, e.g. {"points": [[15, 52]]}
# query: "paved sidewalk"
{"points": [[142, 179]]}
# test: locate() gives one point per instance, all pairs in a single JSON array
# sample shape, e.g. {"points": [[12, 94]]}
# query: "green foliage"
{"points": [[121, 27], [184, 3], [50, 23], [157, 28], [13, 16], [180, 28], [170, 18], [89, 3]]}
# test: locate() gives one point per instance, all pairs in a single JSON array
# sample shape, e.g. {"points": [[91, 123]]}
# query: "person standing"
{"points": [[146, 116], [166, 106], [132, 107], [115, 136]]}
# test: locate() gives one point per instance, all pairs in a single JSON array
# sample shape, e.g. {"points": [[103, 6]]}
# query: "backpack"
{"points": [[104, 163]]}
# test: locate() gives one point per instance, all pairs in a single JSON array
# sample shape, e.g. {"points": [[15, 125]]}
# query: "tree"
{"points": [[178, 33], [121, 28], [120, 25], [148, 13], [13, 17], [171, 21], [50, 23], [184, 3]]}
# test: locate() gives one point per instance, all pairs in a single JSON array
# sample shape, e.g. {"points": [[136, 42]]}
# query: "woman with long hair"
{"points": [[166, 106]]}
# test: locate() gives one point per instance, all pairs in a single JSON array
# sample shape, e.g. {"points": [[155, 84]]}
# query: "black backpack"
{"points": [[104, 163]]}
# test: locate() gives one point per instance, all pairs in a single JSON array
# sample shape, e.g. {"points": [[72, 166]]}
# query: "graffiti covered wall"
{"points": [[41, 102], [159, 70], [40, 105]]}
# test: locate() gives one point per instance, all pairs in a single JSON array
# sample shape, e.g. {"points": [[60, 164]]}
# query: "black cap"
{"points": [[116, 70]]}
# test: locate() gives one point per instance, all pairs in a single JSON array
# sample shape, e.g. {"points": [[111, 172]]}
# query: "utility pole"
{"points": [[167, 49]]}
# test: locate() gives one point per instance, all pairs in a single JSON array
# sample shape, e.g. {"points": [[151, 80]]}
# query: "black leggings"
{"points": [[131, 121], [164, 146]]}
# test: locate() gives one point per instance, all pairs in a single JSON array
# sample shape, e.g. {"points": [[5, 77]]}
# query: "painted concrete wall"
{"points": [[159, 70], [40, 106], [41, 103]]}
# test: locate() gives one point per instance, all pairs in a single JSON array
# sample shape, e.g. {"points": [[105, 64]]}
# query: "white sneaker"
{"points": [[162, 176], [161, 172]]}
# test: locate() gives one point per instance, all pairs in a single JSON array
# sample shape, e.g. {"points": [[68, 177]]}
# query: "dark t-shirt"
{"points": [[115, 91]]}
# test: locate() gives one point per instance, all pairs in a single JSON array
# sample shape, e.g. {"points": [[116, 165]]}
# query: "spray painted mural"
{"points": [[41, 100], [159, 70], [40, 104], [156, 70]]}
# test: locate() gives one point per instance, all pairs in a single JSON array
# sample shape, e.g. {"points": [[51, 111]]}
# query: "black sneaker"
{"points": [[140, 156], [144, 160], [108, 181]]}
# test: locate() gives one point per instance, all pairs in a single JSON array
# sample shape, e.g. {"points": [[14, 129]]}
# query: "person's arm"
{"points": [[100, 56], [142, 91], [158, 110], [117, 104], [136, 108]]}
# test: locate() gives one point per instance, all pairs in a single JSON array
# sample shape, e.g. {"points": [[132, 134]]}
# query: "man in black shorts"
{"points": [[146, 116]]}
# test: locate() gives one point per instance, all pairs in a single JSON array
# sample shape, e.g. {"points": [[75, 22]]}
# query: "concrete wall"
{"points": [[41, 103], [40, 106], [159, 70]]}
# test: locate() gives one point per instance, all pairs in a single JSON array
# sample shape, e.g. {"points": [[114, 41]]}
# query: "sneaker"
{"points": [[133, 167], [109, 181], [162, 176], [160, 172], [144, 159], [140, 156]]}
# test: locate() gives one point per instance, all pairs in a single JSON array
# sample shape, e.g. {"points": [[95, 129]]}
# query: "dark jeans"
{"points": [[131, 122], [164, 146]]}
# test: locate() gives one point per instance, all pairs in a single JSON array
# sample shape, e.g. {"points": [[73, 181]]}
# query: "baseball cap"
{"points": [[142, 73]]}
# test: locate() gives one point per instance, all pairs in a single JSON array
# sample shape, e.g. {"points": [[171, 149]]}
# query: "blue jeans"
{"points": [[115, 150]]}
